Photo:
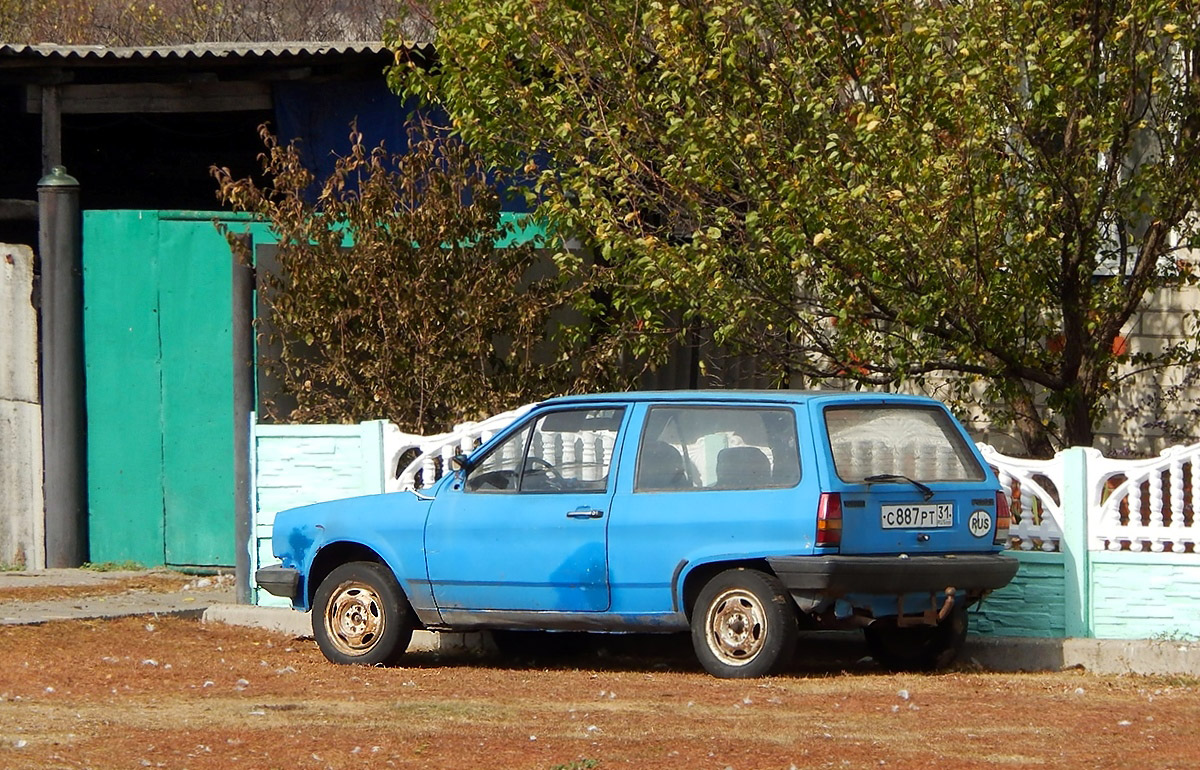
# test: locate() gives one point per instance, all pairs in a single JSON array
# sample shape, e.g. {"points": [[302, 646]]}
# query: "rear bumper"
{"points": [[278, 580], [835, 576]]}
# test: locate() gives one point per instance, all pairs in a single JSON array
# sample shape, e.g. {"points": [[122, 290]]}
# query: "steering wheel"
{"points": [[546, 464], [554, 479]]}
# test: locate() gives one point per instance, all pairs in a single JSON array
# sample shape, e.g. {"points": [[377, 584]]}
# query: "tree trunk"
{"points": [[1077, 419], [1028, 423]]}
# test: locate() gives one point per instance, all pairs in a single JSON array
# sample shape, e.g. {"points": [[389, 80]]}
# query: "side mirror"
{"points": [[459, 463]]}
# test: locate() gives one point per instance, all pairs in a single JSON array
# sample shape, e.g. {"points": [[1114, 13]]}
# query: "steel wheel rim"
{"points": [[735, 627], [355, 618]]}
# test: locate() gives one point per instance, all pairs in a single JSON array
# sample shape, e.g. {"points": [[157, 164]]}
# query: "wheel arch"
{"points": [[333, 555], [694, 578]]}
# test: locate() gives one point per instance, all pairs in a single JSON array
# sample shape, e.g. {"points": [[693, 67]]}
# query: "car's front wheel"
{"points": [[743, 625], [360, 615], [917, 648]]}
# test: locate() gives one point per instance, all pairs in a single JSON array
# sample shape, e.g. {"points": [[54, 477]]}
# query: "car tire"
{"points": [[361, 616], [917, 648], [743, 625]]}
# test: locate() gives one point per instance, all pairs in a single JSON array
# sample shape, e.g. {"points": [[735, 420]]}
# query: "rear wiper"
{"points": [[926, 492]]}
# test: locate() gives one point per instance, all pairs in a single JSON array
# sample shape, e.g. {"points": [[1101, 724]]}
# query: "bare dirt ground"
{"points": [[176, 693]]}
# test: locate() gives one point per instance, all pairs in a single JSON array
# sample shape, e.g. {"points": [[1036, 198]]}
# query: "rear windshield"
{"points": [[922, 443]]}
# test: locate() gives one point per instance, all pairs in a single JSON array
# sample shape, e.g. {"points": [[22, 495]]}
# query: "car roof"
{"points": [[739, 396]]}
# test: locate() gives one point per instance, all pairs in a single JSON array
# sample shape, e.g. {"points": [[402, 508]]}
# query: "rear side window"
{"points": [[700, 447], [922, 443]]}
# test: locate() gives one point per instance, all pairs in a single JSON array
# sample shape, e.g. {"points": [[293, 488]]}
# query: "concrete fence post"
{"points": [[1074, 543], [22, 522], [374, 474]]}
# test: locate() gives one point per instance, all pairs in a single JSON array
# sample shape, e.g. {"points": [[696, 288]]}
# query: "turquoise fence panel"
{"points": [[1145, 595], [296, 465], [1033, 604]]}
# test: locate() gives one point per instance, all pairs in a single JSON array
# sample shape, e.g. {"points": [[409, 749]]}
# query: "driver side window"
{"points": [[501, 469], [566, 451]]}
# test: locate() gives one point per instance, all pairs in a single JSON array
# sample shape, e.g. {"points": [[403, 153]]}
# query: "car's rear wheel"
{"points": [[917, 648], [743, 625], [360, 615]]}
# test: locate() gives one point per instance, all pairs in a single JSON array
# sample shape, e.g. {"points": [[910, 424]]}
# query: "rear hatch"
{"points": [[908, 479]]}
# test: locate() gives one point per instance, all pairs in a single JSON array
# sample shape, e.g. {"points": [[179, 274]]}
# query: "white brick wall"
{"points": [[1167, 318]]}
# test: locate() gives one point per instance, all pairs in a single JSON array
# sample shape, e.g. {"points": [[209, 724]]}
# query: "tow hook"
{"points": [[931, 616], [947, 605]]}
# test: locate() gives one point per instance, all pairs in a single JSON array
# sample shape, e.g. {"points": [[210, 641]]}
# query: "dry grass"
{"points": [[174, 693]]}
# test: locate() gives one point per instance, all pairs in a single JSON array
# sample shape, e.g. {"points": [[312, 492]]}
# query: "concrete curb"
{"points": [[1099, 656], [992, 653]]}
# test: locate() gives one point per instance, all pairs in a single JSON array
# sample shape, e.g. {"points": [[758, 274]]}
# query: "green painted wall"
{"points": [[1145, 595], [158, 353], [1033, 604]]}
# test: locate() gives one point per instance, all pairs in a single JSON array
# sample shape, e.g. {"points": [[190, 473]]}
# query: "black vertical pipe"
{"points": [[243, 404], [64, 436], [51, 129]]}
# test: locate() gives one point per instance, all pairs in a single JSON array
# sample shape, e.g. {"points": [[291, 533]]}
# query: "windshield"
{"points": [[917, 442]]}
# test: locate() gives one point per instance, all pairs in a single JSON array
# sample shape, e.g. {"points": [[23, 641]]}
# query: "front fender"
{"points": [[388, 525]]}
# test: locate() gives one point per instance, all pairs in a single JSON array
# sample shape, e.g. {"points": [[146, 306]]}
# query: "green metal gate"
{"points": [[158, 351]]}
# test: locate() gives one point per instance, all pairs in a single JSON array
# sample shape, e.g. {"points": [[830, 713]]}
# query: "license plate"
{"points": [[917, 516]]}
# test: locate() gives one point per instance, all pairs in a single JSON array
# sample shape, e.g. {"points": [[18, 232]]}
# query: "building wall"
{"points": [[1156, 409], [22, 523]]}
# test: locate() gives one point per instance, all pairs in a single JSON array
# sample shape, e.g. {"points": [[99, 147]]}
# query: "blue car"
{"points": [[742, 517]]}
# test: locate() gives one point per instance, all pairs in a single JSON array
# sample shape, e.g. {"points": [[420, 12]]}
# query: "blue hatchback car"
{"points": [[740, 516]]}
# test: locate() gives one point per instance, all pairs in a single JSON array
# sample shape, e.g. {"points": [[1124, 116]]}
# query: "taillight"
{"points": [[829, 520], [1003, 519]]}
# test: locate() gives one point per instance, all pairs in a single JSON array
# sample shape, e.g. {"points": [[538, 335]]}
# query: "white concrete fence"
{"points": [[1131, 505]]}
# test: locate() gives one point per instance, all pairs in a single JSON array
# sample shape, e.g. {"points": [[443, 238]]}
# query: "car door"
{"points": [[525, 527], [712, 481]]}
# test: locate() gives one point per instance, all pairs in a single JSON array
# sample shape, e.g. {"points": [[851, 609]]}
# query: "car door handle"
{"points": [[585, 513]]}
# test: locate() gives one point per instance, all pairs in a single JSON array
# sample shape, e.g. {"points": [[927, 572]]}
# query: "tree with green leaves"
{"points": [[391, 298], [973, 196]]}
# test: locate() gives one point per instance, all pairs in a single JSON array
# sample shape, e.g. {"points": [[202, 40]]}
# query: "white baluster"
{"points": [[590, 471], [428, 469], [1025, 525], [1134, 503], [448, 452], [1194, 464], [567, 451], [1176, 503], [1156, 508]]}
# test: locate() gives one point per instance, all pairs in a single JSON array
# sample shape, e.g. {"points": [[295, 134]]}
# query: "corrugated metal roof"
{"points": [[192, 51]]}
